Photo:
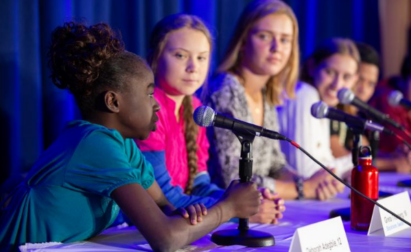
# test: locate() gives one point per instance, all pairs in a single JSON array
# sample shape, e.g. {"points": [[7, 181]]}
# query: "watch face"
{"points": [[299, 182]]}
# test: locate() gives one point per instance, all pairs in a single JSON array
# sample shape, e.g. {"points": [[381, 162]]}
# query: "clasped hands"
{"points": [[322, 186], [270, 210]]}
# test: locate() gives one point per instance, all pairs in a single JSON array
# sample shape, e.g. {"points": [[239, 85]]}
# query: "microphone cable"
{"points": [[344, 183], [204, 116]]}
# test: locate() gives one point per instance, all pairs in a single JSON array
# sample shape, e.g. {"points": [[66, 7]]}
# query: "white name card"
{"points": [[327, 236], [384, 223]]}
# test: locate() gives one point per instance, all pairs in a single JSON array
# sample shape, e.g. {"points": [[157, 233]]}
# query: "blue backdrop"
{"points": [[33, 111]]}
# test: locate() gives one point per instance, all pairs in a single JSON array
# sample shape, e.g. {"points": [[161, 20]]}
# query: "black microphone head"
{"points": [[204, 116], [395, 98], [319, 110], [345, 96]]}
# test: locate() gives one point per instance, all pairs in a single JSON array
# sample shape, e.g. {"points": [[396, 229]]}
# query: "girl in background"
{"points": [[75, 189], [179, 54], [259, 69], [332, 66], [368, 71]]}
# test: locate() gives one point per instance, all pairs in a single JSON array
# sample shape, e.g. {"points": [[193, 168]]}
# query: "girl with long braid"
{"points": [[179, 54]]}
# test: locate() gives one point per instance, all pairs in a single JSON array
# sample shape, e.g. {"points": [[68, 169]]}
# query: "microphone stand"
{"points": [[345, 212], [374, 138], [243, 235]]}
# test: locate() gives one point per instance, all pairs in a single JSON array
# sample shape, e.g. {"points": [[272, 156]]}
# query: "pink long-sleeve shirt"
{"points": [[169, 139]]}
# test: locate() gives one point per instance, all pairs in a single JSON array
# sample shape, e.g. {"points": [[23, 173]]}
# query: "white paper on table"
{"points": [[385, 224]]}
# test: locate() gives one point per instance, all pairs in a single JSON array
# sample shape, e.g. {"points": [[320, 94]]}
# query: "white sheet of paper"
{"points": [[385, 224], [328, 235]]}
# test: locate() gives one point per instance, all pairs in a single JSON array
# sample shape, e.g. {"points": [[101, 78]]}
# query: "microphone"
{"points": [[396, 98], [346, 96], [321, 110], [205, 117]]}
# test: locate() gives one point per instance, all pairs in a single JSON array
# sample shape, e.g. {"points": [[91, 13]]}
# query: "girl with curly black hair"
{"points": [[76, 188]]}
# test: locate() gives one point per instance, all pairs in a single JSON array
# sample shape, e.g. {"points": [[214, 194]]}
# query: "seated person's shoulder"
{"points": [[97, 137], [303, 89], [224, 82], [305, 95], [227, 94]]}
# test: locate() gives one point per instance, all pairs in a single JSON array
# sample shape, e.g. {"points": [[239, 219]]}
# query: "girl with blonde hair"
{"points": [[259, 70]]}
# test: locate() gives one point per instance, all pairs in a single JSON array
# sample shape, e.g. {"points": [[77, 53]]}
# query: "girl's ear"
{"points": [[243, 44], [112, 101]]}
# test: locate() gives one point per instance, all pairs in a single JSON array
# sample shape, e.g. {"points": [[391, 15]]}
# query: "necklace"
{"points": [[256, 108]]}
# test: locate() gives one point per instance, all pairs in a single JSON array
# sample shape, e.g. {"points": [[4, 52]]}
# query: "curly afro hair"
{"points": [[89, 60]]}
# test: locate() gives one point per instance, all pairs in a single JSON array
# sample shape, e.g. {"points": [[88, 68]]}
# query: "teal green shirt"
{"points": [[66, 196]]}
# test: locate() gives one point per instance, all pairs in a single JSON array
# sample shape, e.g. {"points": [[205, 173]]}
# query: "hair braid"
{"points": [[158, 39], [190, 134]]}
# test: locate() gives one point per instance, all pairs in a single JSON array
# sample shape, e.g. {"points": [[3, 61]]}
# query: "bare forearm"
{"points": [[166, 233], [385, 164], [178, 232]]}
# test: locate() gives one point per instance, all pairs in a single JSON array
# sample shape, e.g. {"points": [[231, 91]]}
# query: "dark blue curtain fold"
{"points": [[33, 111]]}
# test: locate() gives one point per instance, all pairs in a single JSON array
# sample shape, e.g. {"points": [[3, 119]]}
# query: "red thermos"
{"points": [[364, 178]]}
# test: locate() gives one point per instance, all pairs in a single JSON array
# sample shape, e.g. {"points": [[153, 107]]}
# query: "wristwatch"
{"points": [[299, 183]]}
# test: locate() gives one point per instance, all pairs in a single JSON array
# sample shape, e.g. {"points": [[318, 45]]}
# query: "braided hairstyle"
{"points": [[156, 45], [89, 60]]}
